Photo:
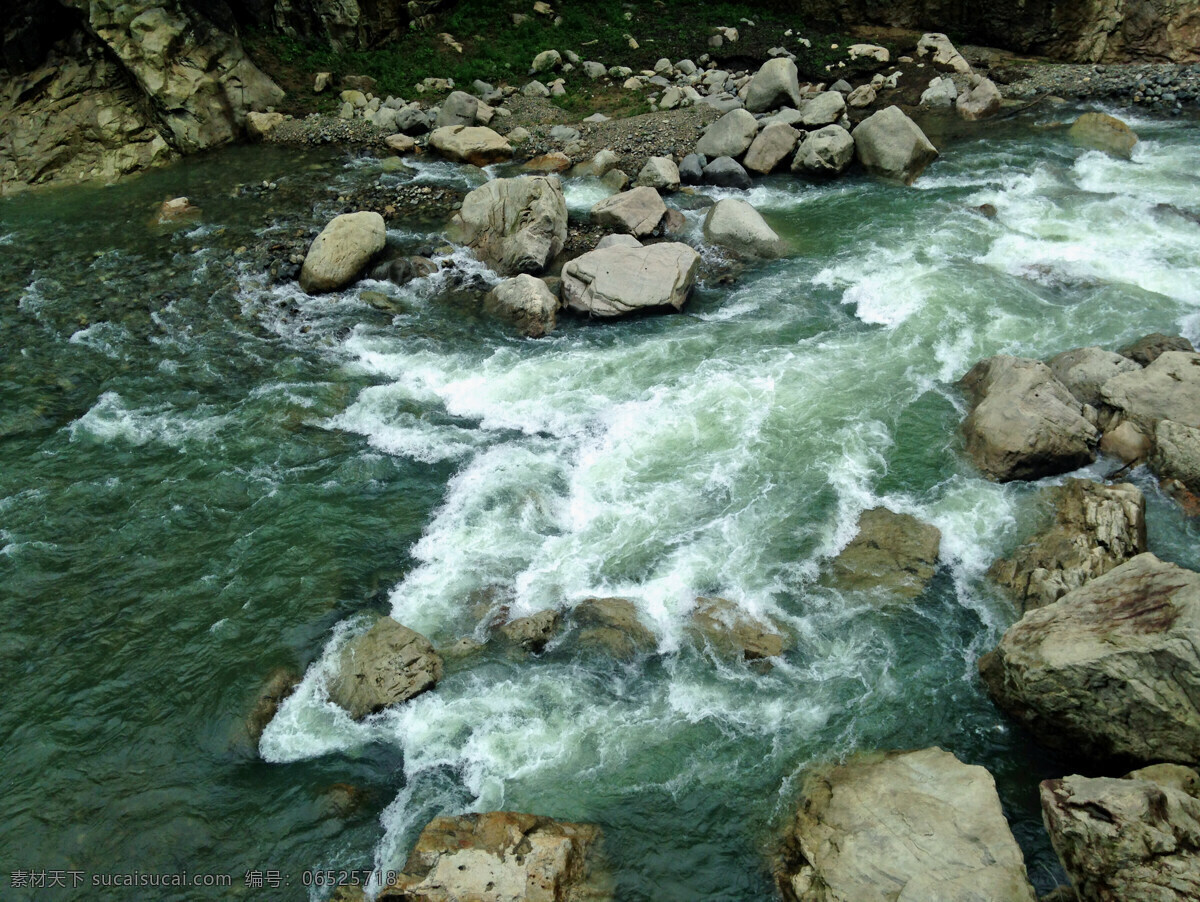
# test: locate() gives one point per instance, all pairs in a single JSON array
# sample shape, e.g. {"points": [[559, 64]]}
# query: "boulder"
{"points": [[260, 125], [384, 666], [729, 136], [826, 152], [732, 633], [1149, 348], [460, 108], [892, 146], [412, 120], [894, 553], [555, 161], [660, 173], [1125, 441], [776, 83], [613, 281], [535, 89], [1100, 131], [942, 53], [514, 225], [1096, 528], [342, 251], [734, 224], [617, 240], [612, 625], [476, 144], [871, 52], [532, 633], [594, 70], [774, 144], [1085, 370], [726, 172], [500, 856], [1132, 839], [527, 301], [691, 170], [899, 826], [1112, 669], [1176, 454], [615, 180], [637, 212], [824, 109], [862, 96], [1023, 423], [1167, 389], [403, 270], [942, 92], [980, 101], [399, 143], [546, 61], [280, 683]]}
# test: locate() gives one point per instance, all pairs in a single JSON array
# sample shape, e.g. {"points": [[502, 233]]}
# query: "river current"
{"points": [[204, 477]]}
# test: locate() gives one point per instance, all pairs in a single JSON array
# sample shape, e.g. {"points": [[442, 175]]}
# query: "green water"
{"points": [[203, 478]]}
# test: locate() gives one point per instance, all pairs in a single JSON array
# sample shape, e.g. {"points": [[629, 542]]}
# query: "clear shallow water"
{"points": [[202, 478]]}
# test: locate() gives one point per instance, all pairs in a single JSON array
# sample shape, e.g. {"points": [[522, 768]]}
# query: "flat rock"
{"points": [[384, 666], [1085, 370], [896, 553], [614, 281], [477, 145], [1112, 669], [892, 146], [514, 225], [637, 212], [527, 301], [342, 251], [1167, 389]]}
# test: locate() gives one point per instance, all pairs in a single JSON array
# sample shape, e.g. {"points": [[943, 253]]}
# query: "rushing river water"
{"points": [[203, 478]]}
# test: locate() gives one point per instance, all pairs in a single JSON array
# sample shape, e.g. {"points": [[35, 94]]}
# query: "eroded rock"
{"points": [[384, 666], [734, 224], [637, 212], [514, 225], [732, 633], [896, 553], [474, 144]]}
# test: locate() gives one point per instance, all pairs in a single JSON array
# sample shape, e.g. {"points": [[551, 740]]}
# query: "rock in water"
{"points": [[637, 212], [980, 101], [1167, 389], [892, 146], [826, 152], [1149, 348], [1096, 528], [500, 856], [514, 225], [612, 624], [891, 826], [732, 633], [660, 173], [527, 301], [776, 83], [342, 251], [1100, 131], [726, 172], [476, 145], [729, 136], [532, 633], [1132, 840], [384, 666], [1023, 423], [774, 144], [1112, 669], [1176, 454], [893, 552], [1085, 370], [734, 224], [617, 280]]}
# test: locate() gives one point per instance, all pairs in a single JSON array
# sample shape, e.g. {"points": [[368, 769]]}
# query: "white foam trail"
{"points": [[110, 420]]}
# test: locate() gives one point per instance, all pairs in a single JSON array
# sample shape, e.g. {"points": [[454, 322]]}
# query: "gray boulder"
{"points": [[412, 120], [980, 101], [734, 224], [617, 280], [828, 151], [342, 251], [1112, 669], [637, 212], [594, 70], [384, 666], [1134, 839], [892, 146], [546, 61], [898, 826], [776, 83], [726, 172], [1176, 454], [824, 109], [1167, 389], [733, 634], [617, 240], [460, 108], [1096, 528], [691, 170], [774, 144], [1149, 348], [862, 96], [729, 136], [660, 173], [527, 301], [514, 225], [895, 553], [1085, 370]]}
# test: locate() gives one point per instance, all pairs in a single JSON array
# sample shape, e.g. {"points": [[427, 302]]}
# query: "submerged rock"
{"points": [[734, 224], [732, 633], [1135, 839], [514, 225], [612, 625], [1112, 669], [893, 552], [501, 856], [617, 280], [637, 212], [917, 825], [892, 146], [384, 666], [342, 251], [534, 632], [1100, 131], [476, 144], [527, 301], [1023, 423], [277, 687]]}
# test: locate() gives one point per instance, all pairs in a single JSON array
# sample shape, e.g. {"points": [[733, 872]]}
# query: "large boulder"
{"points": [[460, 108], [1023, 423], [776, 83], [472, 144], [892, 146], [500, 856], [384, 666], [612, 625], [824, 109], [1096, 528], [1100, 131], [774, 144], [942, 53], [734, 224], [729, 136], [637, 212], [527, 301], [1149, 348], [895, 553], [827, 151], [1176, 454], [660, 173], [732, 633], [726, 172], [614, 281], [981, 100], [1167, 389], [1112, 669], [1135, 839], [1085, 370], [514, 225], [342, 251], [900, 826]]}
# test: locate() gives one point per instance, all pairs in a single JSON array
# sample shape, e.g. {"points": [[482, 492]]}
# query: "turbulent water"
{"points": [[203, 477]]}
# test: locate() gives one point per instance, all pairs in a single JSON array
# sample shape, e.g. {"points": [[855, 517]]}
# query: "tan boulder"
{"points": [[474, 144], [342, 251], [384, 666]]}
